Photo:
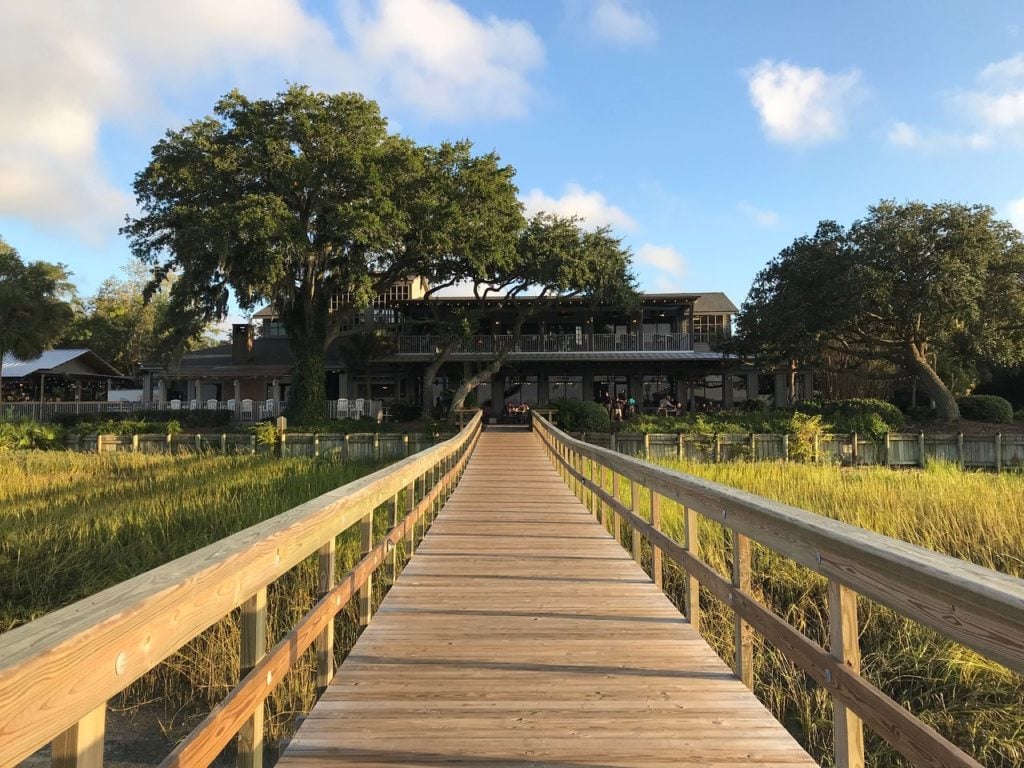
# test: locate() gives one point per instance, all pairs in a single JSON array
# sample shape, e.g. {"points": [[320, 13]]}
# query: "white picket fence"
{"points": [[242, 410]]}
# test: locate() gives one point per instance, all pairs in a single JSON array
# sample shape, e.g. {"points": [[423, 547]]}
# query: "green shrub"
{"points": [[753, 405], [406, 411], [28, 435], [1019, 415], [920, 413], [582, 416], [863, 415], [266, 433], [804, 433], [986, 408], [141, 422]]}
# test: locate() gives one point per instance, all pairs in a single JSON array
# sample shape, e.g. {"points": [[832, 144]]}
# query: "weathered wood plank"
{"points": [[522, 634]]}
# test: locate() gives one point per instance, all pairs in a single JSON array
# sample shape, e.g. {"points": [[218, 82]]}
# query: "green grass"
{"points": [[979, 517], [73, 524]]}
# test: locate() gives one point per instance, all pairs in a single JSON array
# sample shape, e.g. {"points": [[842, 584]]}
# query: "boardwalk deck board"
{"points": [[520, 634]]}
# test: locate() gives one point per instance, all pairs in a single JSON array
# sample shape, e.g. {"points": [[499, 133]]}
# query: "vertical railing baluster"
{"points": [[843, 637], [395, 517], [742, 633], [656, 558], [616, 517], [254, 645], [691, 600], [410, 505], [81, 745], [366, 590], [634, 533], [325, 640]]}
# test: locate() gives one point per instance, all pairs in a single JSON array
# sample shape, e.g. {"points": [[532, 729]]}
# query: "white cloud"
{"points": [[82, 65], [77, 68], [438, 58], [614, 22], [1015, 209], [991, 113], [589, 205], [662, 257], [904, 135], [760, 216], [801, 106]]}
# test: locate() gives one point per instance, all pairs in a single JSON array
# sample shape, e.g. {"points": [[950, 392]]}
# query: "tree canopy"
{"points": [[121, 326], [34, 304], [906, 285], [303, 198]]}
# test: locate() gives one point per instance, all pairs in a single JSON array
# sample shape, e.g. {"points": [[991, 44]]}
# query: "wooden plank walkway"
{"points": [[521, 634]]}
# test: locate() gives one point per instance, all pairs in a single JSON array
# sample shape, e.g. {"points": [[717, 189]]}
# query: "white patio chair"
{"points": [[174, 405], [193, 405], [230, 404], [342, 408], [246, 408], [268, 409], [212, 405], [358, 408]]}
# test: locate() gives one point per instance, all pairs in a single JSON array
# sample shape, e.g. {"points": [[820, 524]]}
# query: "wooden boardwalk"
{"points": [[521, 634]]}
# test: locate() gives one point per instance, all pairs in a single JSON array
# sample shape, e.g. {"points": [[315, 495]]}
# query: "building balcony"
{"points": [[553, 344]]}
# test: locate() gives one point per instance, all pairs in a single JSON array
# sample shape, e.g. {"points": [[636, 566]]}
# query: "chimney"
{"points": [[241, 342]]}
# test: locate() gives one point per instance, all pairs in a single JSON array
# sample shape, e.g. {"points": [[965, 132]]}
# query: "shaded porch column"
{"points": [[147, 388], [691, 396], [238, 401], [161, 392], [727, 397], [808, 377], [752, 385], [588, 384], [781, 390], [542, 388]]}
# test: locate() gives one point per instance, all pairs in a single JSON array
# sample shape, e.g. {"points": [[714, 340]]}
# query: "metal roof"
{"points": [[569, 357], [715, 302], [53, 360]]}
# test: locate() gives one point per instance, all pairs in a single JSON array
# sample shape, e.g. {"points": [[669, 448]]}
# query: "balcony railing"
{"points": [[553, 343]]}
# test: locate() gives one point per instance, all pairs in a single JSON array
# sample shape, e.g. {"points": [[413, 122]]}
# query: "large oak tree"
{"points": [[298, 199], [35, 305], [904, 285]]}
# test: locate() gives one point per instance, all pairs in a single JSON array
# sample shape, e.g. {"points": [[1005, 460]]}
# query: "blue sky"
{"points": [[707, 134]]}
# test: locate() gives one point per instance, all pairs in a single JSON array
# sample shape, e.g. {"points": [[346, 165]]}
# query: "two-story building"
{"points": [[567, 348]]}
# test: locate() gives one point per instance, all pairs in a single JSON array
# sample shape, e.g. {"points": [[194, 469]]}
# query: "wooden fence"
{"points": [[354, 446], [57, 673], [896, 449], [975, 606]]}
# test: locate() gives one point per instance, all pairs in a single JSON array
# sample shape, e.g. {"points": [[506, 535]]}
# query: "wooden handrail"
{"points": [[978, 607], [57, 670]]}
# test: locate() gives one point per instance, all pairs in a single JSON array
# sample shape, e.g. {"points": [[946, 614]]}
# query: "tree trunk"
{"points": [[472, 382], [309, 391], [946, 408], [427, 400]]}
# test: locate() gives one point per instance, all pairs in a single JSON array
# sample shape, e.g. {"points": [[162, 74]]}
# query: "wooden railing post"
{"points": [[843, 639], [634, 533], [254, 646], [656, 558], [599, 506], [81, 745], [395, 517], [366, 591], [410, 505], [691, 599], [744, 636], [325, 641], [616, 517]]}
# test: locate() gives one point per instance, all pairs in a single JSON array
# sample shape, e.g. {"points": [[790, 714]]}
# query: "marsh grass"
{"points": [[74, 524], [976, 703]]}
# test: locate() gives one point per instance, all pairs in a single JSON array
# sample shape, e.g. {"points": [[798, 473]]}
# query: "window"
{"points": [[653, 389], [707, 328], [273, 329], [565, 387]]}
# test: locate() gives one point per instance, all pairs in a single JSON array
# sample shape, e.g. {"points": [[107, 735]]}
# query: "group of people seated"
{"points": [[620, 407], [517, 413], [668, 406]]}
